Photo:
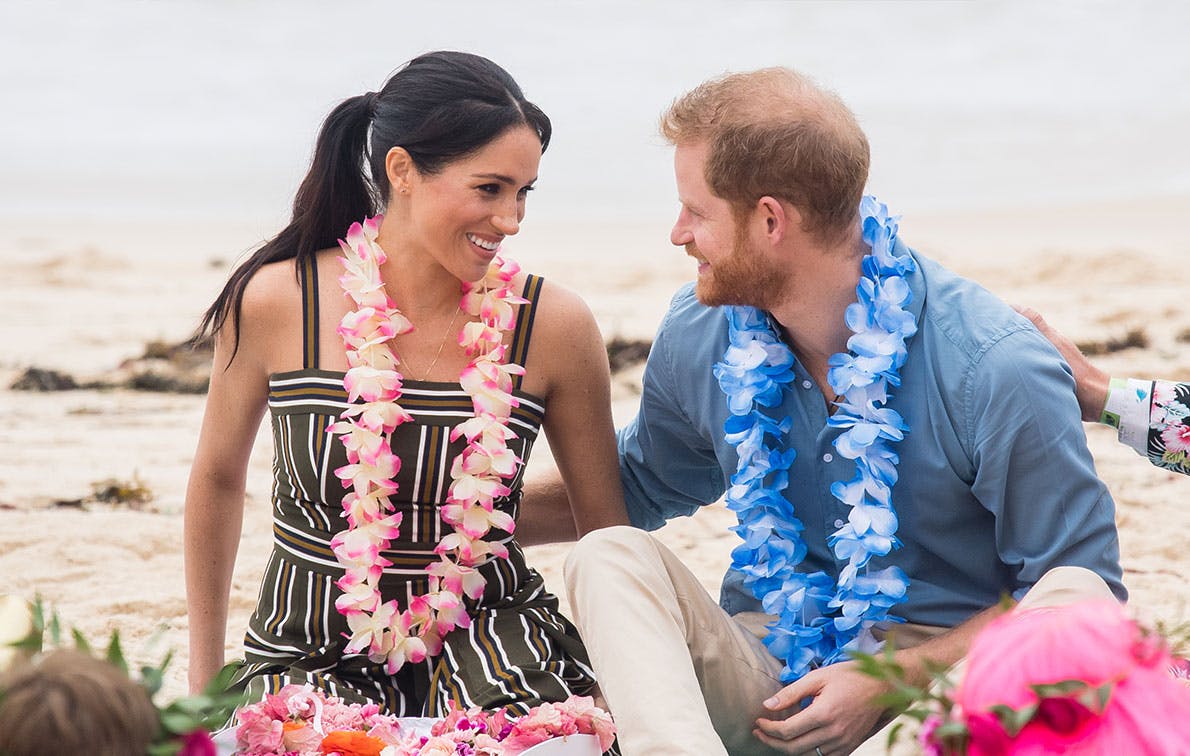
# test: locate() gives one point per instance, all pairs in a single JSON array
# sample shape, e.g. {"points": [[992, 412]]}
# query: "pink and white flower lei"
{"points": [[478, 473]]}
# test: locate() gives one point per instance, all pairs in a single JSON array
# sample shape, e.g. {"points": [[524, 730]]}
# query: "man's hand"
{"points": [[843, 714], [840, 717], [1090, 383]]}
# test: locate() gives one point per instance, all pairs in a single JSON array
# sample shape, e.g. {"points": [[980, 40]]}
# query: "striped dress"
{"points": [[519, 650]]}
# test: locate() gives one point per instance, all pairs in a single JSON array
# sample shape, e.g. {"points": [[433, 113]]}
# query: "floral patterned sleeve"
{"points": [[1153, 417]]}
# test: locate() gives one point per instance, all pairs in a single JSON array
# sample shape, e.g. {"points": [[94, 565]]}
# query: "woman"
{"points": [[406, 598]]}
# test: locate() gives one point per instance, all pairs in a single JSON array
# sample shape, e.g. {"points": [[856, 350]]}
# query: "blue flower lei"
{"points": [[820, 620]]}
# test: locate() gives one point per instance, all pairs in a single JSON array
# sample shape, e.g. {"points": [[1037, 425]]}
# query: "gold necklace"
{"points": [[441, 346]]}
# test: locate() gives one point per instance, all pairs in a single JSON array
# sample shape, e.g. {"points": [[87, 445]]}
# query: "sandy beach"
{"points": [[141, 163], [84, 303]]}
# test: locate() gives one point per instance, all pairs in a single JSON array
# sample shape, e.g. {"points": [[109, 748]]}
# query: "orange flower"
{"points": [[347, 743]]}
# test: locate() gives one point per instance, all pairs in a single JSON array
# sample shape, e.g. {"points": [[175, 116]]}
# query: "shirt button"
{"points": [[838, 523], [807, 384], [827, 457]]}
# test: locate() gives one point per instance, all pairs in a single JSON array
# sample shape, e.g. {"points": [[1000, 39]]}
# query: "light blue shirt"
{"points": [[996, 483]]}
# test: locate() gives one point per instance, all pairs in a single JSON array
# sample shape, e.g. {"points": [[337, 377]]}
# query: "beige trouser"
{"points": [[679, 674]]}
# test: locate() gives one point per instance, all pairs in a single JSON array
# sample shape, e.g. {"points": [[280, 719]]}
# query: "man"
{"points": [[994, 487]]}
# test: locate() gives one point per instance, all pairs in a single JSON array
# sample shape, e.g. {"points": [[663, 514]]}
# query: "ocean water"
{"points": [[205, 112]]}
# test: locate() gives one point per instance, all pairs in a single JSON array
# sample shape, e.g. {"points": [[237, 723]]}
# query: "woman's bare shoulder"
{"points": [[566, 337], [562, 313], [272, 288], [270, 311]]}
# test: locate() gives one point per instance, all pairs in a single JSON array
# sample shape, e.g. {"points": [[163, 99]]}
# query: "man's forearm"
{"points": [[945, 649]]}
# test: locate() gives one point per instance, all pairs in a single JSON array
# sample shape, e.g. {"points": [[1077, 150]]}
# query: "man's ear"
{"points": [[778, 218]]}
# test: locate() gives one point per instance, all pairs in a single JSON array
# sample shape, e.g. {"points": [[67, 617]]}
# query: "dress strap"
{"points": [[519, 349], [308, 275]]}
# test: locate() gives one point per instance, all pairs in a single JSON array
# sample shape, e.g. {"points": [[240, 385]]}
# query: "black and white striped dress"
{"points": [[519, 650]]}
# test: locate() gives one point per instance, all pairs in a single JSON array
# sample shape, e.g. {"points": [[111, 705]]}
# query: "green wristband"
{"points": [[1111, 409]]}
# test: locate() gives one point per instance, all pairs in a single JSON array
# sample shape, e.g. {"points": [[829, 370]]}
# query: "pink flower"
{"points": [[359, 595], [198, 743], [258, 731], [473, 719], [539, 725], [300, 737], [361, 260], [590, 719], [1180, 670], [495, 460], [439, 745], [370, 631], [925, 736], [304, 703], [430, 636], [451, 612], [406, 646], [1063, 715], [1163, 393], [468, 550], [1176, 438], [476, 519], [357, 437], [368, 478], [489, 384], [491, 297], [277, 705], [473, 490], [479, 338], [488, 429], [372, 385], [368, 507], [386, 729], [987, 736], [458, 579], [378, 416], [1093, 642], [357, 549]]}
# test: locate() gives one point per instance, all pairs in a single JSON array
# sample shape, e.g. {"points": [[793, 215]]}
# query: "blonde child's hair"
{"points": [[68, 702]]}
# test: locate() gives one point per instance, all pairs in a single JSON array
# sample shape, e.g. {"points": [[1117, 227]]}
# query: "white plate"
{"points": [[574, 745]]}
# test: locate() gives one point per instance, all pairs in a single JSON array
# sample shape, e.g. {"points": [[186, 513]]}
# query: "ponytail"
{"points": [[334, 194], [439, 107]]}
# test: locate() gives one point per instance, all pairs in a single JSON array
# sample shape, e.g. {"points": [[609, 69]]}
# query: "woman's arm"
{"points": [[236, 400], [578, 419]]}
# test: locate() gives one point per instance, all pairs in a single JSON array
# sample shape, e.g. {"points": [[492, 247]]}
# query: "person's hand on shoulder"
{"points": [[1091, 383]]}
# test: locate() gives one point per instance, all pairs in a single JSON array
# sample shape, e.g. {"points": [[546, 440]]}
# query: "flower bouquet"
{"points": [[301, 721], [1078, 679]]}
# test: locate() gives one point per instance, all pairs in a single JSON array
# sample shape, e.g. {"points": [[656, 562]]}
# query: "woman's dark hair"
{"points": [[439, 107]]}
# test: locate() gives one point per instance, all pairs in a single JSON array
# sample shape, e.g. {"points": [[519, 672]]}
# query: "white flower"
{"points": [[16, 623]]}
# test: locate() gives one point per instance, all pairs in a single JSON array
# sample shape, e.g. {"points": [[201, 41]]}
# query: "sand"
{"points": [[85, 299]]}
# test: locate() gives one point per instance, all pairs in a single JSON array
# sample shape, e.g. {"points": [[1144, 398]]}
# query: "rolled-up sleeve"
{"points": [[667, 468], [1034, 472]]}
